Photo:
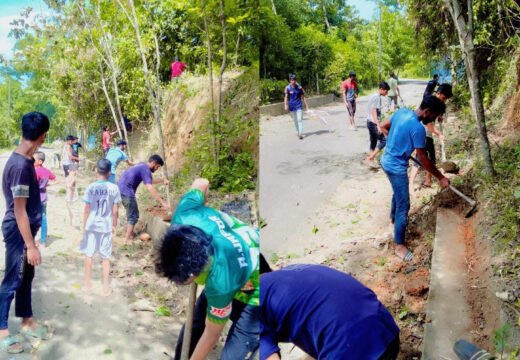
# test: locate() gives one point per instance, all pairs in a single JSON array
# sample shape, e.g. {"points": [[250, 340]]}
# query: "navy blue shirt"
{"points": [[19, 181], [430, 87], [294, 95], [326, 313]]}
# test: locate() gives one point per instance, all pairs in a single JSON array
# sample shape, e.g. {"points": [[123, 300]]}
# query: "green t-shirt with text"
{"points": [[234, 270]]}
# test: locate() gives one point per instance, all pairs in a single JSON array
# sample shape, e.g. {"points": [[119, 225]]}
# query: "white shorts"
{"points": [[94, 242]]}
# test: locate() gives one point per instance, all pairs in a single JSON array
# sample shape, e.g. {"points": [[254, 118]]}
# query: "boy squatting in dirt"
{"points": [[222, 253]]}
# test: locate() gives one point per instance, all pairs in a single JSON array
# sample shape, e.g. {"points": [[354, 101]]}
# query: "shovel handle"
{"points": [[458, 192]]}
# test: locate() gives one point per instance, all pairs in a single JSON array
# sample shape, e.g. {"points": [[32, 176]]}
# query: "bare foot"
{"points": [[107, 291]]}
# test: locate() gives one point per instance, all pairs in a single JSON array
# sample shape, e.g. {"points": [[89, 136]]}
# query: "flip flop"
{"points": [[467, 351], [7, 343], [40, 333], [407, 257]]}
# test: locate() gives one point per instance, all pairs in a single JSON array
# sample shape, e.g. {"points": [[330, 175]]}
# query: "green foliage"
{"points": [[298, 40], [271, 90], [237, 136]]}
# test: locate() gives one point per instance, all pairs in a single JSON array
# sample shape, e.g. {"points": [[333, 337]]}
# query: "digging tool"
{"points": [[443, 151], [464, 197], [185, 352]]}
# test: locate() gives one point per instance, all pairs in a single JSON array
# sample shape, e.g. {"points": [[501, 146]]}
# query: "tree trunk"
{"points": [[327, 24], [221, 75], [154, 97], [210, 72], [273, 7], [107, 96], [468, 50]]}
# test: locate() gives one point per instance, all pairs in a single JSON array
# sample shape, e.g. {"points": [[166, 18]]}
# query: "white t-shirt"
{"points": [[101, 196], [374, 102], [67, 160]]}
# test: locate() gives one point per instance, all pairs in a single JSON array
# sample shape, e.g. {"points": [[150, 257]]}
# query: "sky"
{"points": [[365, 8], [10, 10]]}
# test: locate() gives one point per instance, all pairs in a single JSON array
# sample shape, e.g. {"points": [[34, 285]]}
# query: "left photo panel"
{"points": [[129, 155]]}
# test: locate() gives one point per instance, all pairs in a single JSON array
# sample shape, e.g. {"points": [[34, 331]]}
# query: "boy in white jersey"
{"points": [[99, 222]]}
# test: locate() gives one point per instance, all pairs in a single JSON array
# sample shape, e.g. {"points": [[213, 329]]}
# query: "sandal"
{"points": [[6, 345], [407, 257], [40, 333]]}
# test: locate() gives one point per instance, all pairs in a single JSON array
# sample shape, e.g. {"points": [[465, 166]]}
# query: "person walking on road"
{"points": [[350, 93], [44, 176], [393, 92], [326, 313], [115, 156], [406, 133], [21, 222], [102, 200], [444, 92], [294, 97], [220, 252], [432, 84], [128, 184], [373, 124]]}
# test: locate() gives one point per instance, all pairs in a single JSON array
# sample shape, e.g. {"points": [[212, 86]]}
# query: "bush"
{"points": [[271, 91]]}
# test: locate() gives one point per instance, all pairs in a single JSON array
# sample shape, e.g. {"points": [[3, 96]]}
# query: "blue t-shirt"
{"points": [[326, 313], [115, 156], [406, 134], [294, 95], [132, 177], [19, 181]]}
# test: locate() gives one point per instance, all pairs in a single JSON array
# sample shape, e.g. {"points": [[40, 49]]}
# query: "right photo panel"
{"points": [[389, 168]]}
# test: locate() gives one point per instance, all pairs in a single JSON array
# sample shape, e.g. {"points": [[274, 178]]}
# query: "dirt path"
{"points": [[88, 326]]}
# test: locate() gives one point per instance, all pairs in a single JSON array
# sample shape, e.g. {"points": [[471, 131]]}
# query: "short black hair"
{"points": [[104, 166], [34, 125], [183, 252], [156, 159], [69, 138], [435, 76], [433, 104], [446, 90], [384, 85], [121, 142], [104, 128]]}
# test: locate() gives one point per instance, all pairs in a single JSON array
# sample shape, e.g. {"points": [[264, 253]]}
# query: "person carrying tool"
{"points": [[350, 93], [393, 92], [406, 133], [373, 119], [294, 95], [128, 184], [443, 93], [432, 84], [326, 313], [222, 253]]}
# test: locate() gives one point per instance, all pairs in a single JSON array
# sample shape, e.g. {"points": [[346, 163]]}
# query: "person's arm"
{"points": [[69, 152], [428, 166], [344, 94], [397, 91], [86, 213], [274, 356], [129, 163], [434, 131], [160, 181], [115, 214], [202, 185], [373, 113], [156, 196], [304, 98], [385, 126], [286, 101], [22, 220], [356, 91], [207, 341]]}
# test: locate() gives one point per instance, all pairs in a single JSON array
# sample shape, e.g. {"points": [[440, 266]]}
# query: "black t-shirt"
{"points": [[430, 88], [19, 181]]}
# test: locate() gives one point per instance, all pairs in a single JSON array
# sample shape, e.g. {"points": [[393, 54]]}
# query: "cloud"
{"points": [[6, 43]]}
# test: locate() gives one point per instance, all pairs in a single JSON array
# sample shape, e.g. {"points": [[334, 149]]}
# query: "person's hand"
{"points": [[379, 130], [165, 205], [441, 137], [445, 182], [166, 181], [33, 256], [113, 230], [286, 108]]}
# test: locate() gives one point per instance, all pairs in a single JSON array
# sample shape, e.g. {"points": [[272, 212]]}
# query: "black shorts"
{"points": [[430, 151], [132, 210]]}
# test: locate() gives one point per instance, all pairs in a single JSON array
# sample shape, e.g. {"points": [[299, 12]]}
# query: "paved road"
{"points": [[296, 176]]}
